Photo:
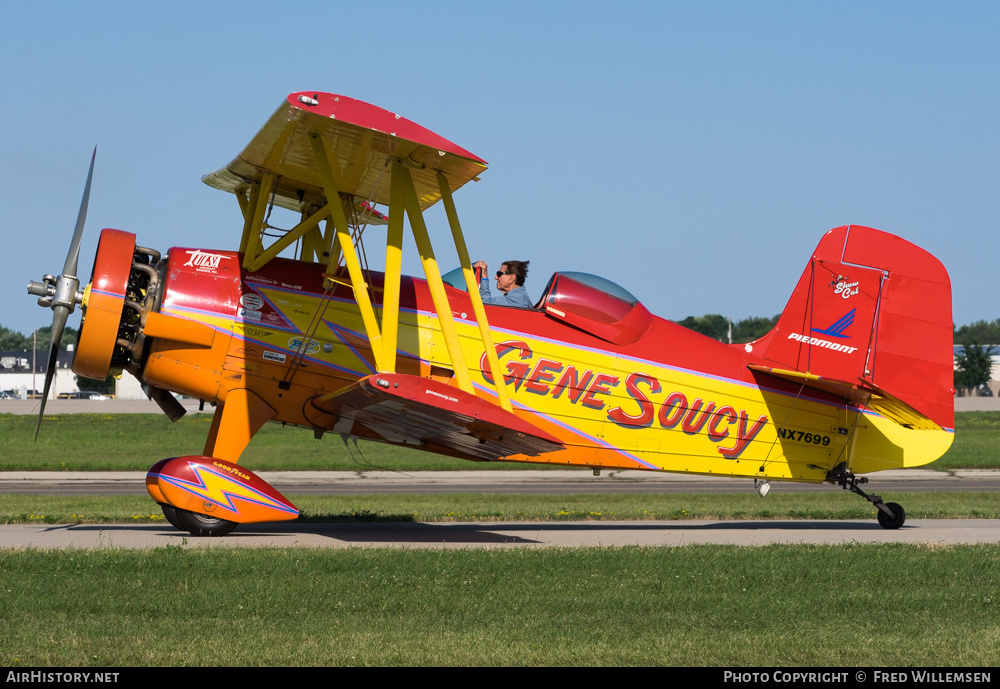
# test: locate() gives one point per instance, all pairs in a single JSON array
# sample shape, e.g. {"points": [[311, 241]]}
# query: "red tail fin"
{"points": [[872, 310]]}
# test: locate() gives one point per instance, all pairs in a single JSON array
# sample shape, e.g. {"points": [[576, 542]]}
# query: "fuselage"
{"points": [[661, 398]]}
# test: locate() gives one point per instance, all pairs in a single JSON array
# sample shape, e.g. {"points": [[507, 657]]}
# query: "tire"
{"points": [[203, 525], [887, 522], [170, 512]]}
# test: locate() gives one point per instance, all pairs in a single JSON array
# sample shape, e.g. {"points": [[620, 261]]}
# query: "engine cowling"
{"points": [[123, 290]]}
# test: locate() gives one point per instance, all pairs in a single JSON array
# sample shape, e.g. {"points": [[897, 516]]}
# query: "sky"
{"points": [[693, 152]]}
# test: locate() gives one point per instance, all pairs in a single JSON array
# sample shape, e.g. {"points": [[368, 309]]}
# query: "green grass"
{"points": [[977, 442], [836, 606], [486, 508], [134, 442]]}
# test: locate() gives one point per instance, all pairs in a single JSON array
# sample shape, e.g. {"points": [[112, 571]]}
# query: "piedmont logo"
{"points": [[838, 328], [835, 330], [822, 343]]}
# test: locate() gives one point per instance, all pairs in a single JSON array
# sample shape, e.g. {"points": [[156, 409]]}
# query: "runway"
{"points": [[511, 481], [497, 534], [505, 534], [501, 535]]}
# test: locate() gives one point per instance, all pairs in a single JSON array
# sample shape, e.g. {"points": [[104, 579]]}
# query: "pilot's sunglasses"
{"points": [[500, 273]]}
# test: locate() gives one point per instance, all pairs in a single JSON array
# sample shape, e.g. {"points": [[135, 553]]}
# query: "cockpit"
{"points": [[589, 303]]}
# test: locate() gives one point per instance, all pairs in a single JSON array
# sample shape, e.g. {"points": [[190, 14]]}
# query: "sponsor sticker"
{"points": [[444, 397], [277, 357], [846, 289], [204, 261], [249, 315], [253, 331], [252, 301], [295, 344]]}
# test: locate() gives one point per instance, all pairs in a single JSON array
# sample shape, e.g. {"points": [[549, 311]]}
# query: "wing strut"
{"points": [[473, 287], [324, 155], [346, 245]]}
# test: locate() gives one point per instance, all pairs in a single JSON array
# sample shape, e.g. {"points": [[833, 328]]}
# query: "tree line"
{"points": [[717, 327], [973, 365], [979, 340], [13, 341]]}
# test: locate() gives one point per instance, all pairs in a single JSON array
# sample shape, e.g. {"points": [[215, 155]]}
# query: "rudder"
{"points": [[872, 310]]}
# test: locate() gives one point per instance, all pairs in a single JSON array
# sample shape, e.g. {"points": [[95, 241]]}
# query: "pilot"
{"points": [[510, 282]]}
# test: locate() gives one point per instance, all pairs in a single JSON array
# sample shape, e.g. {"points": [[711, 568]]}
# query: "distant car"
{"points": [[89, 395], [6, 395], [82, 395]]}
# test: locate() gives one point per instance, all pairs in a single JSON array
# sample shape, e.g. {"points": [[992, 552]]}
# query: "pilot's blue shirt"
{"points": [[517, 297]]}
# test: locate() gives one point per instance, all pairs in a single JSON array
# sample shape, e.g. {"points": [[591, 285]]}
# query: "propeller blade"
{"points": [[59, 317], [74, 248], [61, 293]]}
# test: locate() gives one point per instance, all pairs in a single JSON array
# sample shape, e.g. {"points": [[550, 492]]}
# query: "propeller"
{"points": [[62, 294]]}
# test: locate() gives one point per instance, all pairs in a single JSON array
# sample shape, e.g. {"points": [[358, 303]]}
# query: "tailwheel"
{"points": [[203, 525], [890, 514], [893, 522], [170, 512]]}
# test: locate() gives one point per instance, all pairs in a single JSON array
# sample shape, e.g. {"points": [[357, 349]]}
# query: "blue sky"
{"points": [[693, 152]]}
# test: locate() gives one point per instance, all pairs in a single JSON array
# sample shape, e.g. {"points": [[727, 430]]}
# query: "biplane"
{"points": [[856, 377]]}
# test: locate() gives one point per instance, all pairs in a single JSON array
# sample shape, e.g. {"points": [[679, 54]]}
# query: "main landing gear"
{"points": [[890, 514], [195, 523], [206, 496]]}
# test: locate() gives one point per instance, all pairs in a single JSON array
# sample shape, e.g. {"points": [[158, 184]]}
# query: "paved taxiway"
{"points": [[510, 481], [505, 534], [495, 534], [525, 534]]}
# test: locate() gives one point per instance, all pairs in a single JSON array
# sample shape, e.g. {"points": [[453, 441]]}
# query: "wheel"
{"points": [[887, 522], [170, 512], [203, 525]]}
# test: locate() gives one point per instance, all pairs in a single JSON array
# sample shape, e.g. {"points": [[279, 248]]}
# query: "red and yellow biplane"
{"points": [[856, 376]]}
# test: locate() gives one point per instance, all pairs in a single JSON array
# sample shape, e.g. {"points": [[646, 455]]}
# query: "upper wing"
{"points": [[360, 139]]}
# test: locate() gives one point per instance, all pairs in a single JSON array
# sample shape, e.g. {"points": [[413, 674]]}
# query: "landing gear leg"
{"points": [[203, 525], [170, 512], [890, 515]]}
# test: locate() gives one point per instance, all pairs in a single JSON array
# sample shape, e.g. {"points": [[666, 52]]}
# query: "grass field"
{"points": [[836, 606], [862, 605], [134, 442]]}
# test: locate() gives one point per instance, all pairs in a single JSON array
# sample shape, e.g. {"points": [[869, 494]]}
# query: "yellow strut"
{"points": [[289, 238], [252, 246], [393, 267], [346, 245], [435, 284], [248, 214], [474, 296], [244, 206]]}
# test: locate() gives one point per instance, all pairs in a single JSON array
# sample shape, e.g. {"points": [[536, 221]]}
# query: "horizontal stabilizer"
{"points": [[861, 394], [410, 410]]}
